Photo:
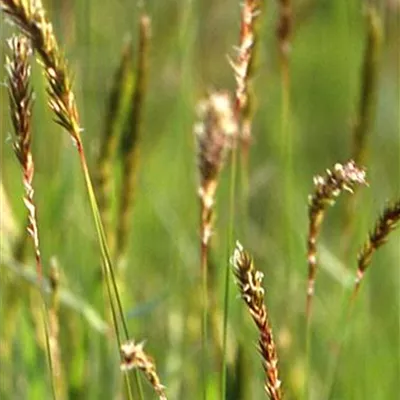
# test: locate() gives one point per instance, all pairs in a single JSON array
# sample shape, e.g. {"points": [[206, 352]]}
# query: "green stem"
{"points": [[228, 268], [48, 351], [108, 269]]}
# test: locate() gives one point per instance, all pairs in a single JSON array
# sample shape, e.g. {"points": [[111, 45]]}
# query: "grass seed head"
{"points": [[343, 177], [133, 356], [31, 18], [249, 281], [214, 134], [386, 223]]}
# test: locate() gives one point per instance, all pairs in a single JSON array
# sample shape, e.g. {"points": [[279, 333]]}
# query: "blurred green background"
{"points": [[188, 56]]}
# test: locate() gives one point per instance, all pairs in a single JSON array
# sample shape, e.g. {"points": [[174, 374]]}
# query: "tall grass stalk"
{"points": [[386, 223], [366, 109], [249, 281], [31, 18], [283, 36], [327, 189], [342, 178], [54, 331], [243, 68], [230, 236], [21, 103], [214, 134]]}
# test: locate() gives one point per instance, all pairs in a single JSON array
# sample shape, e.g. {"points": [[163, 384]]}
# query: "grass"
{"points": [[319, 109]]}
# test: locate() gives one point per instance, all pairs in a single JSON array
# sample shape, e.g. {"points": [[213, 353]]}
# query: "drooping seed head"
{"points": [[133, 356]]}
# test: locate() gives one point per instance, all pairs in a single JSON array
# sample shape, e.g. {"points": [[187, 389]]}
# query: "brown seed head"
{"points": [[328, 188], [249, 281], [214, 134], [20, 95], [31, 18], [133, 356], [386, 223]]}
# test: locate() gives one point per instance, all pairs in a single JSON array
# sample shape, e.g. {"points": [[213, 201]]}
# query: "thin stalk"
{"points": [[327, 189], [21, 104], [366, 112], [54, 330], [205, 211], [230, 236], [32, 20], [243, 72], [342, 178], [214, 134], [48, 351], [385, 224], [249, 281], [108, 270]]}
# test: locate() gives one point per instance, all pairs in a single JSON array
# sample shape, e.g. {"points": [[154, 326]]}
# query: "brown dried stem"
{"points": [[134, 357], [130, 140], [327, 189], [249, 281], [386, 223]]}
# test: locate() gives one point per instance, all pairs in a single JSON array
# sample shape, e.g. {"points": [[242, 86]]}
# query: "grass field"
{"points": [[340, 81]]}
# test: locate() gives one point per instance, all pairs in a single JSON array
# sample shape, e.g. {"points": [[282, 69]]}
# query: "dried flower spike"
{"points": [[242, 67], [133, 356], [327, 189], [21, 101], [214, 135], [387, 222], [249, 281], [30, 17]]}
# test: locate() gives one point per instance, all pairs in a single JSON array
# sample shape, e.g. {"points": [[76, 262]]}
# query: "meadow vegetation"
{"points": [[199, 199]]}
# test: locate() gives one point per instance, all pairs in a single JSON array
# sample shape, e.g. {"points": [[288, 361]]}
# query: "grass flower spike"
{"points": [[21, 101], [31, 18], [133, 356], [214, 134], [242, 68], [327, 189], [387, 222], [249, 281]]}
